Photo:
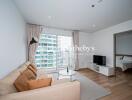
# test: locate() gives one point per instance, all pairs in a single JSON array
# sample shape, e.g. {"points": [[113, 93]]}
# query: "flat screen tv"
{"points": [[99, 60]]}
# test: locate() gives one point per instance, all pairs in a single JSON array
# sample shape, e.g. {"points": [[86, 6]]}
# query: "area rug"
{"points": [[89, 89]]}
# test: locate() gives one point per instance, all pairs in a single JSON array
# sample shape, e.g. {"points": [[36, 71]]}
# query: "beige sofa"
{"points": [[59, 90]]}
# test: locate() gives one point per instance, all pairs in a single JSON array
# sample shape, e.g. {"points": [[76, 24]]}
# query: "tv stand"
{"points": [[105, 70]]}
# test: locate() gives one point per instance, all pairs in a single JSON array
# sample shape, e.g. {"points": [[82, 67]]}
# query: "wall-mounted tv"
{"points": [[99, 60]]}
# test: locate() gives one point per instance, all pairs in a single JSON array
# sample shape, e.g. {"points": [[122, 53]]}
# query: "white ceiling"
{"points": [[76, 14]]}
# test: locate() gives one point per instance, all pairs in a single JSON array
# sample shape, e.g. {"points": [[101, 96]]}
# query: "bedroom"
{"points": [[123, 50]]}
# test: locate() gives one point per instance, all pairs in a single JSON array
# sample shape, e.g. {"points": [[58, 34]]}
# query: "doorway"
{"points": [[123, 51]]}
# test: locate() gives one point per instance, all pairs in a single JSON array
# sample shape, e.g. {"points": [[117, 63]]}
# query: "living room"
{"points": [[69, 46]]}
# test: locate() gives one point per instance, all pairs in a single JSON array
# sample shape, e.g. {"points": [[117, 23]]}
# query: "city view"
{"points": [[52, 51]]}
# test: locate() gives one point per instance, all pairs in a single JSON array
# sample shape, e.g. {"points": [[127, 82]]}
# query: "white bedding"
{"points": [[124, 63]]}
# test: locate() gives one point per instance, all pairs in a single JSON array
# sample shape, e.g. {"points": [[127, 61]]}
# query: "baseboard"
{"points": [[83, 68]]}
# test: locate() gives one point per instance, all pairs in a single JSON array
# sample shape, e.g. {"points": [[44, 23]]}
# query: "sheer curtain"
{"points": [[65, 52], [75, 36], [33, 31]]}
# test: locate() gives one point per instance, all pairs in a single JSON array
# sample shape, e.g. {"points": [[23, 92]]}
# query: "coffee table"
{"points": [[70, 73]]}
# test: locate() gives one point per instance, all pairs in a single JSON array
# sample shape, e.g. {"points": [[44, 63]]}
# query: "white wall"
{"points": [[57, 31], [124, 43], [12, 38], [103, 40], [85, 58]]}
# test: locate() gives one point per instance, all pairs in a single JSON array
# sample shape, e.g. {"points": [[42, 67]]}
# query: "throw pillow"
{"points": [[21, 82], [33, 70], [33, 66], [34, 84]]}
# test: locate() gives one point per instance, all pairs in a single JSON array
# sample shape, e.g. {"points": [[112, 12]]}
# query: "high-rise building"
{"points": [[46, 51], [53, 51]]}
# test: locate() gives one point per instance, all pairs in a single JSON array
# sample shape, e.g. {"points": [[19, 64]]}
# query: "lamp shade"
{"points": [[34, 40]]}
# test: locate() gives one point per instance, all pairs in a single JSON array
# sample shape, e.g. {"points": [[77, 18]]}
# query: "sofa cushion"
{"points": [[33, 66], [32, 69], [21, 82], [29, 74], [34, 84]]}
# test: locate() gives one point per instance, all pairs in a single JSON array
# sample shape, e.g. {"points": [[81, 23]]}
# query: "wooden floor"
{"points": [[120, 86]]}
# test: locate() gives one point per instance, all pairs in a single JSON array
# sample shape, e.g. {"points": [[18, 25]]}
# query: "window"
{"points": [[45, 55], [53, 51]]}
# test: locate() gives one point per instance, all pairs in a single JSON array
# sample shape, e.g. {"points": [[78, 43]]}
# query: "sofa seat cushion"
{"points": [[34, 84]]}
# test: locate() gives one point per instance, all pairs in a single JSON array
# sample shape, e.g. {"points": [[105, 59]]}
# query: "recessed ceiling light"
{"points": [[92, 5], [49, 17]]}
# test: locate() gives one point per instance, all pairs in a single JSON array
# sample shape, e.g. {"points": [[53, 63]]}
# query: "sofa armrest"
{"points": [[65, 91]]}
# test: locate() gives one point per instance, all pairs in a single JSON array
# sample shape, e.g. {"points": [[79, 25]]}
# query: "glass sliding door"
{"points": [[64, 51], [54, 52]]}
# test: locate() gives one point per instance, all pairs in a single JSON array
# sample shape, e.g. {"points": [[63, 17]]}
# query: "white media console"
{"points": [[105, 70]]}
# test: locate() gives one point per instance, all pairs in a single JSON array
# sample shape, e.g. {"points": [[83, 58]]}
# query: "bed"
{"points": [[124, 62]]}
